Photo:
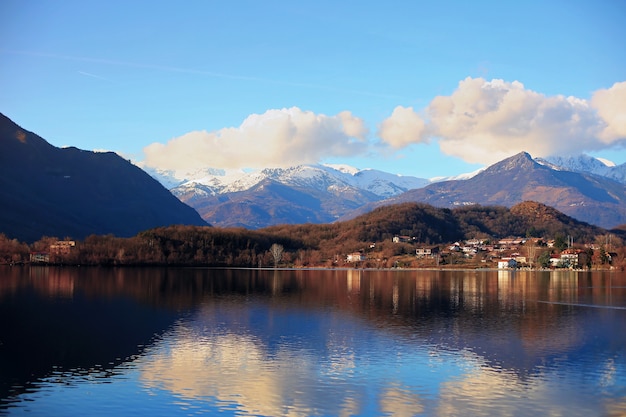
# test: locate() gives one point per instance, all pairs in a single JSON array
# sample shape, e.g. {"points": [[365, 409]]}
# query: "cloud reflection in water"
{"points": [[204, 360]]}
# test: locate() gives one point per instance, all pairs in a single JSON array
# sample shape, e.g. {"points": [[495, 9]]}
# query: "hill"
{"points": [[426, 224], [52, 191]]}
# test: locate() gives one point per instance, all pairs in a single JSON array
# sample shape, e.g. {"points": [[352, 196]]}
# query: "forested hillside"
{"points": [[318, 245]]}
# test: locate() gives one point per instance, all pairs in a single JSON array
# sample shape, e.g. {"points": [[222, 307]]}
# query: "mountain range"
{"points": [[587, 197], [301, 194], [46, 190], [68, 192], [586, 188]]}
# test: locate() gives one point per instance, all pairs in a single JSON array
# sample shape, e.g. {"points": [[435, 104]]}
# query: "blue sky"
{"points": [[409, 87]]}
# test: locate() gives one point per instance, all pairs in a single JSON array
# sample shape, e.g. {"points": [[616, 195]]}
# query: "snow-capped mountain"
{"points": [[325, 193], [318, 177], [588, 165], [384, 184], [173, 178], [304, 193]]}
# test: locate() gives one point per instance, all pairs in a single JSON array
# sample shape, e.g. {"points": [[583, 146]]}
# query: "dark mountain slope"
{"points": [[47, 190], [589, 198]]}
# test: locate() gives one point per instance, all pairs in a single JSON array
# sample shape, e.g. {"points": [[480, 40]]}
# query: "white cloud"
{"points": [[402, 128], [486, 121], [611, 107], [480, 122], [275, 138]]}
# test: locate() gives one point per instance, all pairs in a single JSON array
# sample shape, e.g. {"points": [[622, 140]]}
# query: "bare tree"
{"points": [[532, 252], [277, 252]]}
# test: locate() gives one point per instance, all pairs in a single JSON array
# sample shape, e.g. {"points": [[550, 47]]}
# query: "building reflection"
{"points": [[507, 340], [407, 294], [512, 325], [353, 280]]}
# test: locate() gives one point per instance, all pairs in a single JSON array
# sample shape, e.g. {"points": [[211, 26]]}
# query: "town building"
{"points": [[507, 263], [39, 257], [355, 257], [427, 252], [62, 247]]}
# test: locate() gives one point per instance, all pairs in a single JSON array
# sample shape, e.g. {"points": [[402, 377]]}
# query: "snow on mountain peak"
{"points": [[607, 162], [320, 177], [465, 176], [346, 169], [580, 163], [588, 164]]}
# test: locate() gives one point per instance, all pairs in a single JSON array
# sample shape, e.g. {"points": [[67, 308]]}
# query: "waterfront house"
{"points": [[507, 263], [39, 257], [427, 252], [355, 257]]}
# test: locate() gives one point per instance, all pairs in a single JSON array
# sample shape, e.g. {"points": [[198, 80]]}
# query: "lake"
{"points": [[179, 342]]}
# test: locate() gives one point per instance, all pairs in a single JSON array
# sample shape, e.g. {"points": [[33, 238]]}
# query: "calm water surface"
{"points": [[169, 342]]}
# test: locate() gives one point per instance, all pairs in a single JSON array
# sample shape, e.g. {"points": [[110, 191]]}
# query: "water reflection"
{"points": [[264, 362], [60, 322], [353, 342]]}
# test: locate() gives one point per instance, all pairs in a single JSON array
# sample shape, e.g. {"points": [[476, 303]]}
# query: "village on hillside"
{"points": [[508, 253]]}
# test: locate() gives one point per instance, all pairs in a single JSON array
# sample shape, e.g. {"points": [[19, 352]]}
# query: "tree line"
{"points": [[305, 245]]}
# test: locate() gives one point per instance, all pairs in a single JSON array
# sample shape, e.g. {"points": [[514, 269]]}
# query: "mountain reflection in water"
{"points": [[312, 342]]}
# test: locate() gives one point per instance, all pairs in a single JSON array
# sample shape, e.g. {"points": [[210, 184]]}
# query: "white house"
{"points": [[427, 252], [355, 257], [505, 263]]}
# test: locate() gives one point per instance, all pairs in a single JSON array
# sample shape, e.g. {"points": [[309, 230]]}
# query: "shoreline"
{"points": [[313, 268]]}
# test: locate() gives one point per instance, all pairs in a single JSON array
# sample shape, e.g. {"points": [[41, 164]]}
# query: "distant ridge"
{"points": [[70, 192], [590, 198], [583, 187], [300, 194]]}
